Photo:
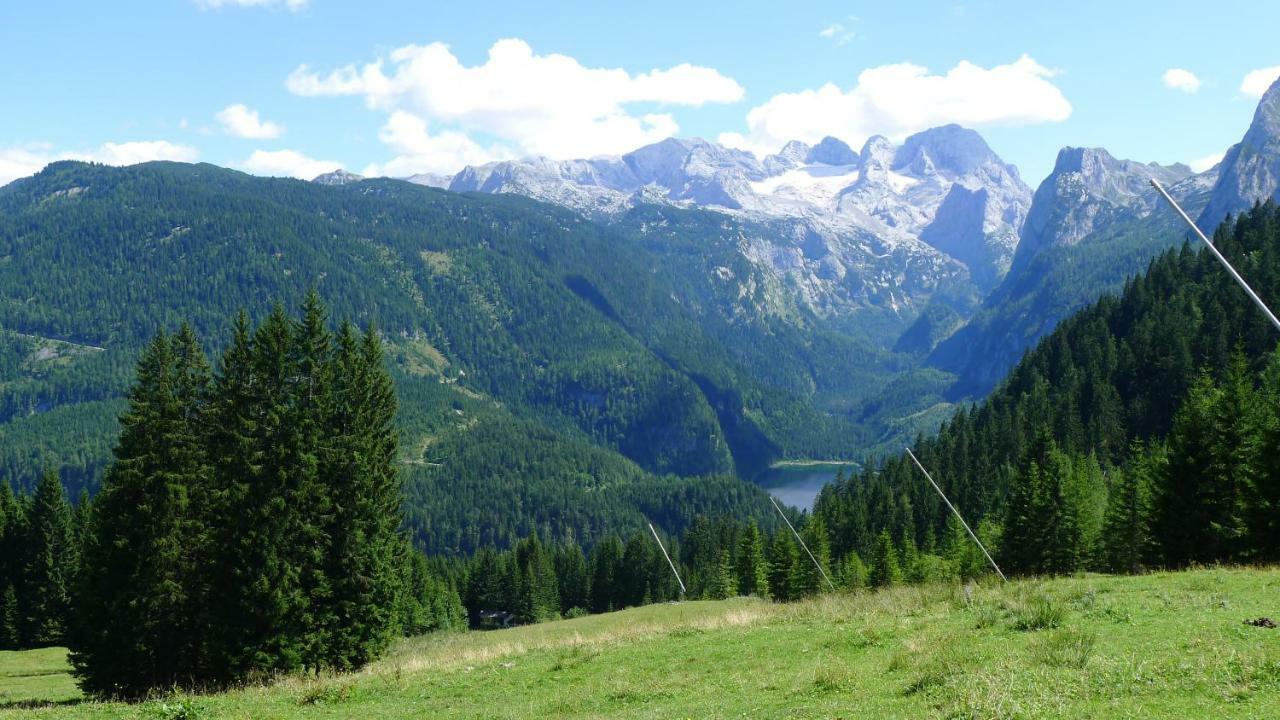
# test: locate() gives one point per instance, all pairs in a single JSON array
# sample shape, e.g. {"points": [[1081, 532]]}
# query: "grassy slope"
{"points": [[1164, 645]]}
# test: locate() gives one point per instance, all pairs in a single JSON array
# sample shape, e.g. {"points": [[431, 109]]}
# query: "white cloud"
{"points": [[419, 151], [287, 163], [1255, 83], [897, 100], [21, 161], [240, 121], [528, 104], [291, 5], [1206, 162], [838, 33], [1180, 79]]}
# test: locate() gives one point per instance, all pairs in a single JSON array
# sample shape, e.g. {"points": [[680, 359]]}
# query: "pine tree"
{"points": [[1198, 510], [47, 578], [358, 492], [140, 620], [606, 557], [11, 533], [485, 585], [10, 638], [633, 573], [572, 577], [852, 574], [751, 570], [538, 596], [885, 568], [806, 578], [1262, 492], [1126, 536], [720, 583], [782, 560]]}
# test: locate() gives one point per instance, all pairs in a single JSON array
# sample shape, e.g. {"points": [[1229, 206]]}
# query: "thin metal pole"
{"points": [[958, 517], [806, 547], [1252, 295], [668, 557]]}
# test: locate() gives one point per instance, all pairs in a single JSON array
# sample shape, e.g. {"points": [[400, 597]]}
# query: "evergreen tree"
{"points": [[572, 578], [782, 560], [606, 557], [751, 570], [10, 637], [47, 577], [633, 573], [358, 491], [1126, 536], [140, 620], [720, 583], [1199, 515], [806, 579], [885, 568], [539, 596], [485, 585], [852, 574], [1262, 492]]}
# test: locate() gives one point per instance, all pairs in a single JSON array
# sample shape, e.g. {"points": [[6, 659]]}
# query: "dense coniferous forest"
{"points": [[1139, 433]]}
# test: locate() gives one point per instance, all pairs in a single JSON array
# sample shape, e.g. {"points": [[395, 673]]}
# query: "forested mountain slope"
{"points": [[543, 360], [1180, 353]]}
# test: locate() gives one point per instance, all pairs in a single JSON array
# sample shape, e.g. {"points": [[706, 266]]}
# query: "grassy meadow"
{"points": [[1162, 645]]}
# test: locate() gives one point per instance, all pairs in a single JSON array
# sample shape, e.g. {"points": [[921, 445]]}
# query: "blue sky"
{"points": [[396, 87]]}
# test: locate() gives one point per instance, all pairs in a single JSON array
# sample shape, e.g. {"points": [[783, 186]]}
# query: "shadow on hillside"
{"points": [[37, 704]]}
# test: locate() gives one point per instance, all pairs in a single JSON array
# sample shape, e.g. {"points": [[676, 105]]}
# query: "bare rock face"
{"points": [[1087, 190], [337, 177], [1250, 171], [884, 228]]}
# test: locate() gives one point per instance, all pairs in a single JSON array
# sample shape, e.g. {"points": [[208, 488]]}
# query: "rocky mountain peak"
{"points": [[951, 150], [877, 150], [337, 177], [1250, 170], [831, 151]]}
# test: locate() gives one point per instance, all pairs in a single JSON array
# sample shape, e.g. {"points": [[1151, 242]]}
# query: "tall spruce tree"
{"points": [[606, 558], [783, 556], [140, 619], [572, 578], [751, 570], [806, 580], [47, 577], [1262, 493], [1126, 534], [886, 570]]}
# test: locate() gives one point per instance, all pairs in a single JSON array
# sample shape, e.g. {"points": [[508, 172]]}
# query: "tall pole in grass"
{"points": [[1221, 258], [668, 557], [958, 516], [801, 541]]}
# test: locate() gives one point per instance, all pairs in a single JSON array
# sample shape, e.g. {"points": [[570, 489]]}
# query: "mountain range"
{"points": [[949, 251], [621, 341]]}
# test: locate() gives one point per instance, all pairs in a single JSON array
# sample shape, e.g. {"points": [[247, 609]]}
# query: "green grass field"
{"points": [[1165, 645]]}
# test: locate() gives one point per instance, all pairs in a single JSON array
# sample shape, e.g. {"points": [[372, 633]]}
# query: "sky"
{"points": [[399, 87]]}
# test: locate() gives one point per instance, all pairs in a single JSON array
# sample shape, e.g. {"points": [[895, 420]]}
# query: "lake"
{"points": [[798, 485]]}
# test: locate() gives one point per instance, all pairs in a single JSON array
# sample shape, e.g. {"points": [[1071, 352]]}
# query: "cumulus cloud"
{"points": [[21, 161], [291, 5], [1180, 79], [243, 122], [417, 150], [287, 163], [1256, 82], [528, 104], [900, 99], [1206, 162]]}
